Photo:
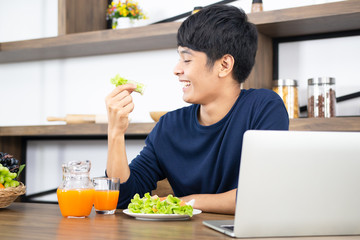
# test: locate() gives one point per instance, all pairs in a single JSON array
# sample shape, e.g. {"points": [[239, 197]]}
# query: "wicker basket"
{"points": [[8, 195]]}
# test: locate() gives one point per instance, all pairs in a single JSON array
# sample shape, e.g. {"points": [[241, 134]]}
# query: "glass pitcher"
{"points": [[76, 192]]}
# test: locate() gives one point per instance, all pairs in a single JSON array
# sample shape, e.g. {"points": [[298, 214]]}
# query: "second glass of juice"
{"points": [[76, 193], [106, 194]]}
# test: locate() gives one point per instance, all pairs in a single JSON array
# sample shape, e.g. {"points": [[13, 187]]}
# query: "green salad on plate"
{"points": [[155, 205]]}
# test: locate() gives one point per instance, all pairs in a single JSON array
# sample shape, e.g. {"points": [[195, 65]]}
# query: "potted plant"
{"points": [[123, 14]]}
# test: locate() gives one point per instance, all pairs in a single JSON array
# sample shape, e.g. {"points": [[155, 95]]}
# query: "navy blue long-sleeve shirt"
{"points": [[200, 159]]}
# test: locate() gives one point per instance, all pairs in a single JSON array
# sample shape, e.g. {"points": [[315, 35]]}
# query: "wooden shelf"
{"points": [[315, 19], [299, 124], [326, 124], [12, 138], [72, 130], [152, 37], [309, 20]]}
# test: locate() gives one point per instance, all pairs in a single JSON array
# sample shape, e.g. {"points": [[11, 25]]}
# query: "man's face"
{"points": [[198, 79]]}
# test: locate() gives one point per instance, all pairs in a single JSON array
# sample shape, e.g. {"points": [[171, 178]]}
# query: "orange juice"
{"points": [[75, 202], [106, 199]]}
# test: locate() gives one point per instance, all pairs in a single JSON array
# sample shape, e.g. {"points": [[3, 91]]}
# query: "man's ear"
{"points": [[226, 65]]}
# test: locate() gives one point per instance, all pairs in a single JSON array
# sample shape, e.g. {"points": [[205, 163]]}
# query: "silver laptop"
{"points": [[296, 184]]}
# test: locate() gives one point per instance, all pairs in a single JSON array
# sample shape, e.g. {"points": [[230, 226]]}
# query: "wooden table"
{"points": [[44, 221]]}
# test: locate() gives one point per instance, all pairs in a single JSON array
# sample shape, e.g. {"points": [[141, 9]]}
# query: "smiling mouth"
{"points": [[185, 84]]}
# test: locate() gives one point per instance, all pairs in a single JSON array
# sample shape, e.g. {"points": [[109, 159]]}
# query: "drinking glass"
{"points": [[106, 194]]}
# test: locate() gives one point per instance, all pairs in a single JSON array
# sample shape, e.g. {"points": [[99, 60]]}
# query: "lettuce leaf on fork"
{"points": [[117, 81], [155, 205]]}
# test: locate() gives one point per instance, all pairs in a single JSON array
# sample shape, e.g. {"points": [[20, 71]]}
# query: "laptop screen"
{"points": [[298, 184]]}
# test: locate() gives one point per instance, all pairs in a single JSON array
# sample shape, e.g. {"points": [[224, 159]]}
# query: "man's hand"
{"points": [[119, 105], [216, 203]]}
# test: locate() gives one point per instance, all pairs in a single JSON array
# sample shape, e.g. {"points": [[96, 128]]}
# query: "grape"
{"points": [[13, 175], [5, 171], [14, 183], [8, 179], [14, 168], [9, 161], [9, 170]]}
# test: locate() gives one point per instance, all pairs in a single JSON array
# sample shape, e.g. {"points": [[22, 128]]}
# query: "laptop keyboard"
{"points": [[229, 227]]}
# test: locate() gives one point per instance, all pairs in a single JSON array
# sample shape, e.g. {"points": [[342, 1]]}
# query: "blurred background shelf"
{"points": [[325, 124], [13, 138], [152, 37], [71, 130], [141, 129], [315, 19]]}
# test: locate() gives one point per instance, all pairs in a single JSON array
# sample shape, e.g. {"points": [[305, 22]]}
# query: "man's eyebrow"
{"points": [[185, 51]]}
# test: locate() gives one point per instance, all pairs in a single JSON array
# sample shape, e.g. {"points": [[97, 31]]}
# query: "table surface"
{"points": [[44, 221]]}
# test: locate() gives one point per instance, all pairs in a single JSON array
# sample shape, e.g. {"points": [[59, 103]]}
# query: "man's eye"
{"points": [[185, 60]]}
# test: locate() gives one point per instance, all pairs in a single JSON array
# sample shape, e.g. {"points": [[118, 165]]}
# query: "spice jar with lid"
{"points": [[321, 97], [288, 91], [257, 6]]}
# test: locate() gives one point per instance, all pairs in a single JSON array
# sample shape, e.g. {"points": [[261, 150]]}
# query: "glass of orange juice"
{"points": [[106, 194]]}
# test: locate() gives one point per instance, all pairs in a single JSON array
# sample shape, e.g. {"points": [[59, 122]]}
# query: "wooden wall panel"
{"points": [[261, 75], [76, 16], [12, 145]]}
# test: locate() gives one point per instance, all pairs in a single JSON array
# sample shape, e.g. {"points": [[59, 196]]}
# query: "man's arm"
{"points": [[216, 203], [119, 105]]}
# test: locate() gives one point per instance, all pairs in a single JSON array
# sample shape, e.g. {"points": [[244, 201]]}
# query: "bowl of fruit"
{"points": [[10, 187]]}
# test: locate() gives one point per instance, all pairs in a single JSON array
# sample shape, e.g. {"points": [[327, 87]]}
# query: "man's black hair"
{"points": [[218, 30]]}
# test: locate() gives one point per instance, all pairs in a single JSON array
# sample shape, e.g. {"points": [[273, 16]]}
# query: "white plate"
{"points": [[160, 217]]}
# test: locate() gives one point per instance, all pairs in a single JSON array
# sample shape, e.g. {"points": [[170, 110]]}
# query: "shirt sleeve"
{"points": [[271, 115], [145, 172]]}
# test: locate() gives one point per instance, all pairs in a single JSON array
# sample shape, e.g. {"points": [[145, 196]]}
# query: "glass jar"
{"points": [[76, 192], [288, 91], [321, 97], [257, 6]]}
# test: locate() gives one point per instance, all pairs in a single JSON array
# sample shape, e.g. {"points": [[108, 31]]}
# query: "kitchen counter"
{"points": [[44, 221]]}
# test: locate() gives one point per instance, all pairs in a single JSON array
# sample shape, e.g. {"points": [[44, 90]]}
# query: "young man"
{"points": [[198, 148]]}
